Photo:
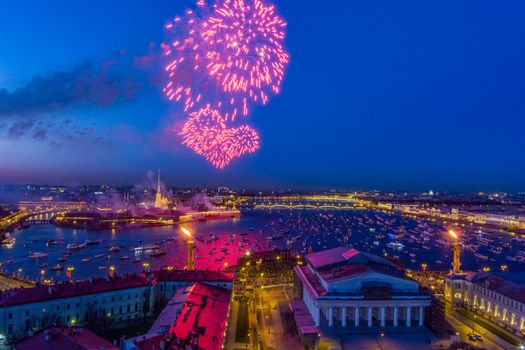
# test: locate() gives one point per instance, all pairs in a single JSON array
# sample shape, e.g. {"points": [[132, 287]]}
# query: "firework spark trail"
{"points": [[222, 59], [205, 132], [228, 55]]}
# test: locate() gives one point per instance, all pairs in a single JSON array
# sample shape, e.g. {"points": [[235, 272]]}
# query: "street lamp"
{"points": [[381, 336], [69, 272], [146, 267]]}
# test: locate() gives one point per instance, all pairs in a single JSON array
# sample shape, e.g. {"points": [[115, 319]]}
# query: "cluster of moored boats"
{"points": [[410, 239], [241, 244], [151, 250]]}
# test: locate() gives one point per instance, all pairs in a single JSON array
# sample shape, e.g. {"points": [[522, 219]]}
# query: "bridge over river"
{"points": [[29, 217], [301, 202]]}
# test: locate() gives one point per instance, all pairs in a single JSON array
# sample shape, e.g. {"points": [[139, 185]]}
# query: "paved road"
{"points": [[466, 328], [9, 283]]}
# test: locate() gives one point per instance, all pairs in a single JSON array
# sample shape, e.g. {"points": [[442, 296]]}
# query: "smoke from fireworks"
{"points": [[206, 133], [222, 59]]}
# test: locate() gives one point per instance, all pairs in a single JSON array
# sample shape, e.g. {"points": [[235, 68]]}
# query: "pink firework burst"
{"points": [[227, 56], [245, 140], [206, 133]]}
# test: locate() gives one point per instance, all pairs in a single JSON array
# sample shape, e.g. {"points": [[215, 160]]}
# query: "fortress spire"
{"points": [[159, 200]]}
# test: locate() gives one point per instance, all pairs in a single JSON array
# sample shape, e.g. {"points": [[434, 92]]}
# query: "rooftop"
{"points": [[333, 265], [340, 255], [192, 276], [64, 338], [303, 319], [344, 271], [165, 320], [39, 293], [203, 316], [62, 290], [511, 286], [326, 257]]}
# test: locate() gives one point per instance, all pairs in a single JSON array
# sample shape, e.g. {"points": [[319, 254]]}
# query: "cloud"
{"points": [[37, 110], [19, 129], [51, 108], [85, 84]]}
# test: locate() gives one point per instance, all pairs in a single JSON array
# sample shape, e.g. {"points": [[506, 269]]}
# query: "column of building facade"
{"points": [[383, 314], [317, 316], [396, 316]]}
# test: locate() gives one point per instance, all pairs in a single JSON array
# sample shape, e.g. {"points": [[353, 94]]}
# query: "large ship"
{"points": [[146, 247], [210, 215], [9, 240]]}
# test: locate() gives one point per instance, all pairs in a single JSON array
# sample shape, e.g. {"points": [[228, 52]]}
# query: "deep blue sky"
{"points": [[379, 94]]}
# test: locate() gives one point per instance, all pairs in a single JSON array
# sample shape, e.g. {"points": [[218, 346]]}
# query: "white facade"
{"points": [[476, 292], [363, 297]]}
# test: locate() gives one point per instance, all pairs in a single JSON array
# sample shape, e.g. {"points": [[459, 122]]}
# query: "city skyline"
{"points": [[419, 97]]}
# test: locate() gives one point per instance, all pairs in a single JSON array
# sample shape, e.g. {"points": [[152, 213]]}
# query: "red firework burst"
{"points": [[206, 133], [228, 56]]}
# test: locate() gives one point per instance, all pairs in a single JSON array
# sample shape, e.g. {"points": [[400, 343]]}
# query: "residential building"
{"points": [[498, 297]]}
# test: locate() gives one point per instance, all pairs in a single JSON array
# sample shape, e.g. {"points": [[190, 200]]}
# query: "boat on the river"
{"points": [[51, 242], [76, 245], [395, 245], [37, 255], [8, 240], [57, 267], [93, 241], [115, 249], [157, 253], [152, 246]]}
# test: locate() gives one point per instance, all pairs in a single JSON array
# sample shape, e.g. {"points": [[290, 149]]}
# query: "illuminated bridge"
{"points": [[303, 206], [22, 217], [302, 202], [42, 217]]}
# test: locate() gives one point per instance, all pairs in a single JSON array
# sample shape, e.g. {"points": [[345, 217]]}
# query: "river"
{"points": [[414, 241]]}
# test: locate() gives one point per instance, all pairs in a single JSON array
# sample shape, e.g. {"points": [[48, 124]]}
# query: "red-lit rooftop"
{"points": [[192, 276], [201, 321]]}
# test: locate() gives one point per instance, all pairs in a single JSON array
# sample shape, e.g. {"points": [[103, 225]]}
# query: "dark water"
{"points": [[365, 230]]}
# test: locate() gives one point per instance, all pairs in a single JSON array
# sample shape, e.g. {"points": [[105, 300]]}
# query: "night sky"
{"points": [[410, 95]]}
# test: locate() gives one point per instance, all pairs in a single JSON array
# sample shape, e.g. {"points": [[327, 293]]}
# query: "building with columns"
{"points": [[346, 288], [497, 297]]}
